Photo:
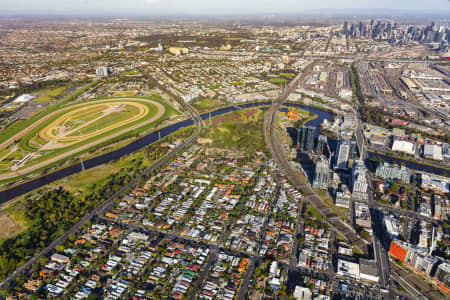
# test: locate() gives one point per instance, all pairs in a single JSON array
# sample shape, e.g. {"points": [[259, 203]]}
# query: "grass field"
{"points": [[92, 120], [130, 73], [9, 156], [241, 130], [74, 130], [127, 114], [278, 80], [85, 182], [43, 131], [18, 126], [12, 222], [49, 95], [312, 212], [340, 211], [304, 116], [233, 39], [207, 104]]}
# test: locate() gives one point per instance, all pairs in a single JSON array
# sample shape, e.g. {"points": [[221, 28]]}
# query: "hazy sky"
{"points": [[215, 6]]}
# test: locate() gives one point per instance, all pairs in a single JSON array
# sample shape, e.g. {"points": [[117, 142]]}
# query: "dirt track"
{"points": [[66, 140], [27, 170]]}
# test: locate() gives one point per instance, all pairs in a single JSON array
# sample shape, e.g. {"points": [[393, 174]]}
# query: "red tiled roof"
{"points": [[397, 251]]}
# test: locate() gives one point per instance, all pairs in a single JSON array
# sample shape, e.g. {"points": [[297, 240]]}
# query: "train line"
{"points": [[311, 197]]}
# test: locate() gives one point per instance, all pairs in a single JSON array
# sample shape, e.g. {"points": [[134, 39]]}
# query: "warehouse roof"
{"points": [[403, 146], [432, 151]]}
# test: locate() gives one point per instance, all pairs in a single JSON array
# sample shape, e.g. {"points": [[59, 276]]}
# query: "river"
{"points": [[411, 165], [26, 187]]}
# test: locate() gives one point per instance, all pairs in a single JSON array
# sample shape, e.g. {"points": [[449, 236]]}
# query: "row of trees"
{"points": [[55, 212]]}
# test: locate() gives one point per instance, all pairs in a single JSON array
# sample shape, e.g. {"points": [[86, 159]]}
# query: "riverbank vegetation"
{"points": [[51, 211], [242, 130]]}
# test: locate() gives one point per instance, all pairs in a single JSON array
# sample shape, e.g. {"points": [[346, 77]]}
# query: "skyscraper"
{"points": [[360, 185], [321, 144], [321, 174], [307, 135], [342, 156], [353, 149], [431, 34]]}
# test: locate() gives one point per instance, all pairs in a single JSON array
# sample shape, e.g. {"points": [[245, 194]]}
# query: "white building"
{"points": [[343, 155], [403, 146], [346, 94], [348, 268], [360, 185], [435, 183], [432, 152], [425, 209], [393, 226], [102, 71], [321, 174], [343, 199], [389, 171], [368, 270], [302, 293], [24, 98]]}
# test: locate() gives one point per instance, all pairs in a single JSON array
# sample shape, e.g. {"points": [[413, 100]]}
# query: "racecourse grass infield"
{"points": [[89, 121], [79, 127]]}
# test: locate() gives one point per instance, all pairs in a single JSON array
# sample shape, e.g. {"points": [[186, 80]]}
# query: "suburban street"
{"points": [[107, 204], [311, 197]]}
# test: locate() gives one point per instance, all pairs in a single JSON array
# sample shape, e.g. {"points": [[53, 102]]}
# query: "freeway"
{"points": [[107, 204], [311, 197]]}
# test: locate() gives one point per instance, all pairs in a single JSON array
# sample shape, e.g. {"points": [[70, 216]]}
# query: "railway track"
{"points": [[311, 197]]}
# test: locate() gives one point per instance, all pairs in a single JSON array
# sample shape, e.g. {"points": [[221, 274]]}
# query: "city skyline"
{"points": [[170, 7], [225, 150]]}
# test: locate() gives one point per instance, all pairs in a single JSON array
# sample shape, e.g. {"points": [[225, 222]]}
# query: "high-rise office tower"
{"points": [[307, 135], [360, 185], [353, 149], [321, 174], [321, 145], [342, 155]]}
